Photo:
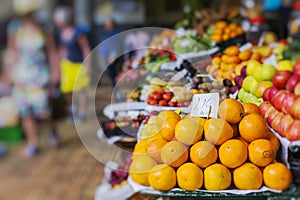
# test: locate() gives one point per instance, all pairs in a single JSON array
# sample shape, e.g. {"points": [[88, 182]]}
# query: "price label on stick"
{"points": [[205, 105]]}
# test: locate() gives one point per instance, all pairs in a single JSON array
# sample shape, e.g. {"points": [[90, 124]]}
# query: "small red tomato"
{"points": [[157, 96], [167, 96], [163, 102], [160, 91], [153, 102], [186, 103], [149, 99], [179, 104], [172, 104]]}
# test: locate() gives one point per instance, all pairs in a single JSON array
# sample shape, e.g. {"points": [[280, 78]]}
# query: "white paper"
{"points": [[203, 103]]}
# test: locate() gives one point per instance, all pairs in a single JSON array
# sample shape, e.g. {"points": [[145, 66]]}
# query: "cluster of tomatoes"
{"points": [[162, 97]]}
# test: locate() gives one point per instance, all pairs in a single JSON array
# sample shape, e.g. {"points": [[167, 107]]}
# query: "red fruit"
{"points": [[270, 115], [160, 91], [157, 96], [153, 102], [263, 107], [292, 132], [179, 104], [163, 102], [149, 99], [292, 82], [295, 109], [266, 94], [172, 104], [280, 78], [167, 96], [284, 124], [186, 103], [277, 121], [277, 100], [296, 68], [273, 92], [287, 102]]}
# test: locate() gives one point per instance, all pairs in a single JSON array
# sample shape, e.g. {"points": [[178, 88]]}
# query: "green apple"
{"points": [[258, 101], [251, 66], [241, 94], [285, 65], [249, 84], [257, 73], [262, 86], [267, 72]]}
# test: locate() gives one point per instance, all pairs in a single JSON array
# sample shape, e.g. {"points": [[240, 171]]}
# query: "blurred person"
{"points": [[29, 50], [108, 51], [73, 49]]}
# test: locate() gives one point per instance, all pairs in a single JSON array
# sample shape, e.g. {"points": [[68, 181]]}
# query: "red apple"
{"points": [[270, 115], [297, 89], [287, 102], [292, 132], [266, 93], [263, 107], [292, 82], [272, 93], [277, 100], [295, 109], [280, 78], [284, 124], [275, 124], [296, 68]]}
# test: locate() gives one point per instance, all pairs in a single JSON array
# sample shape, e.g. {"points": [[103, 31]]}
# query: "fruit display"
{"points": [[224, 31], [259, 78], [234, 151], [281, 101]]}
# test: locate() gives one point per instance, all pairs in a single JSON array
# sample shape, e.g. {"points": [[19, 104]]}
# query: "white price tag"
{"points": [[202, 104]]}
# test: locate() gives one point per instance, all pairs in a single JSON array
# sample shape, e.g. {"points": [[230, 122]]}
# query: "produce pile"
{"points": [[223, 31], [236, 150]]}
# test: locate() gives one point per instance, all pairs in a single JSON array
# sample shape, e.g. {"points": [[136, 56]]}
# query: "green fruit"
{"points": [[251, 66], [257, 73], [267, 72], [262, 86], [249, 83], [241, 94]]}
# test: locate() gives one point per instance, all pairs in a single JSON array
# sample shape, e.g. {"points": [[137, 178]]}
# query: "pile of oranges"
{"points": [[224, 31], [234, 150], [231, 62]]}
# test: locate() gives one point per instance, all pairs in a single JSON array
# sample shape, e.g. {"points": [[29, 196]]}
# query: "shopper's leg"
{"points": [[30, 130]]}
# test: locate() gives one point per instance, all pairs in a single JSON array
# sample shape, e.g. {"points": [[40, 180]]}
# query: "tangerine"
{"points": [[275, 141], [140, 168], [174, 153], [154, 147], [261, 152], [232, 51], [166, 114], [233, 153], [217, 131], [188, 131], [217, 177], [189, 177], [162, 177], [248, 177], [251, 108], [277, 176], [203, 154], [245, 55], [231, 110], [168, 128], [253, 127]]}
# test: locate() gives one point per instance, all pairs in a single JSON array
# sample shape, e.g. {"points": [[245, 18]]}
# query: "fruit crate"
{"points": [[11, 134]]}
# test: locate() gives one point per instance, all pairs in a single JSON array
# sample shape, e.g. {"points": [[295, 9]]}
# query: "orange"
{"points": [[217, 177], [203, 154], [275, 141], [140, 168], [277, 176], [174, 153], [168, 128], [188, 131], [216, 38], [226, 66], [166, 114], [245, 55], [233, 34], [232, 51], [225, 36], [230, 59], [232, 26], [218, 31], [233, 153], [227, 31], [221, 24], [251, 108], [239, 30], [261, 152], [255, 56], [252, 127], [162, 177], [231, 110], [154, 147], [189, 177], [248, 177], [217, 131], [141, 147]]}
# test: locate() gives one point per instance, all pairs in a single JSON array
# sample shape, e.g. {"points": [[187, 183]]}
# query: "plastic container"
{"points": [[294, 21], [11, 135], [294, 161], [258, 27]]}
